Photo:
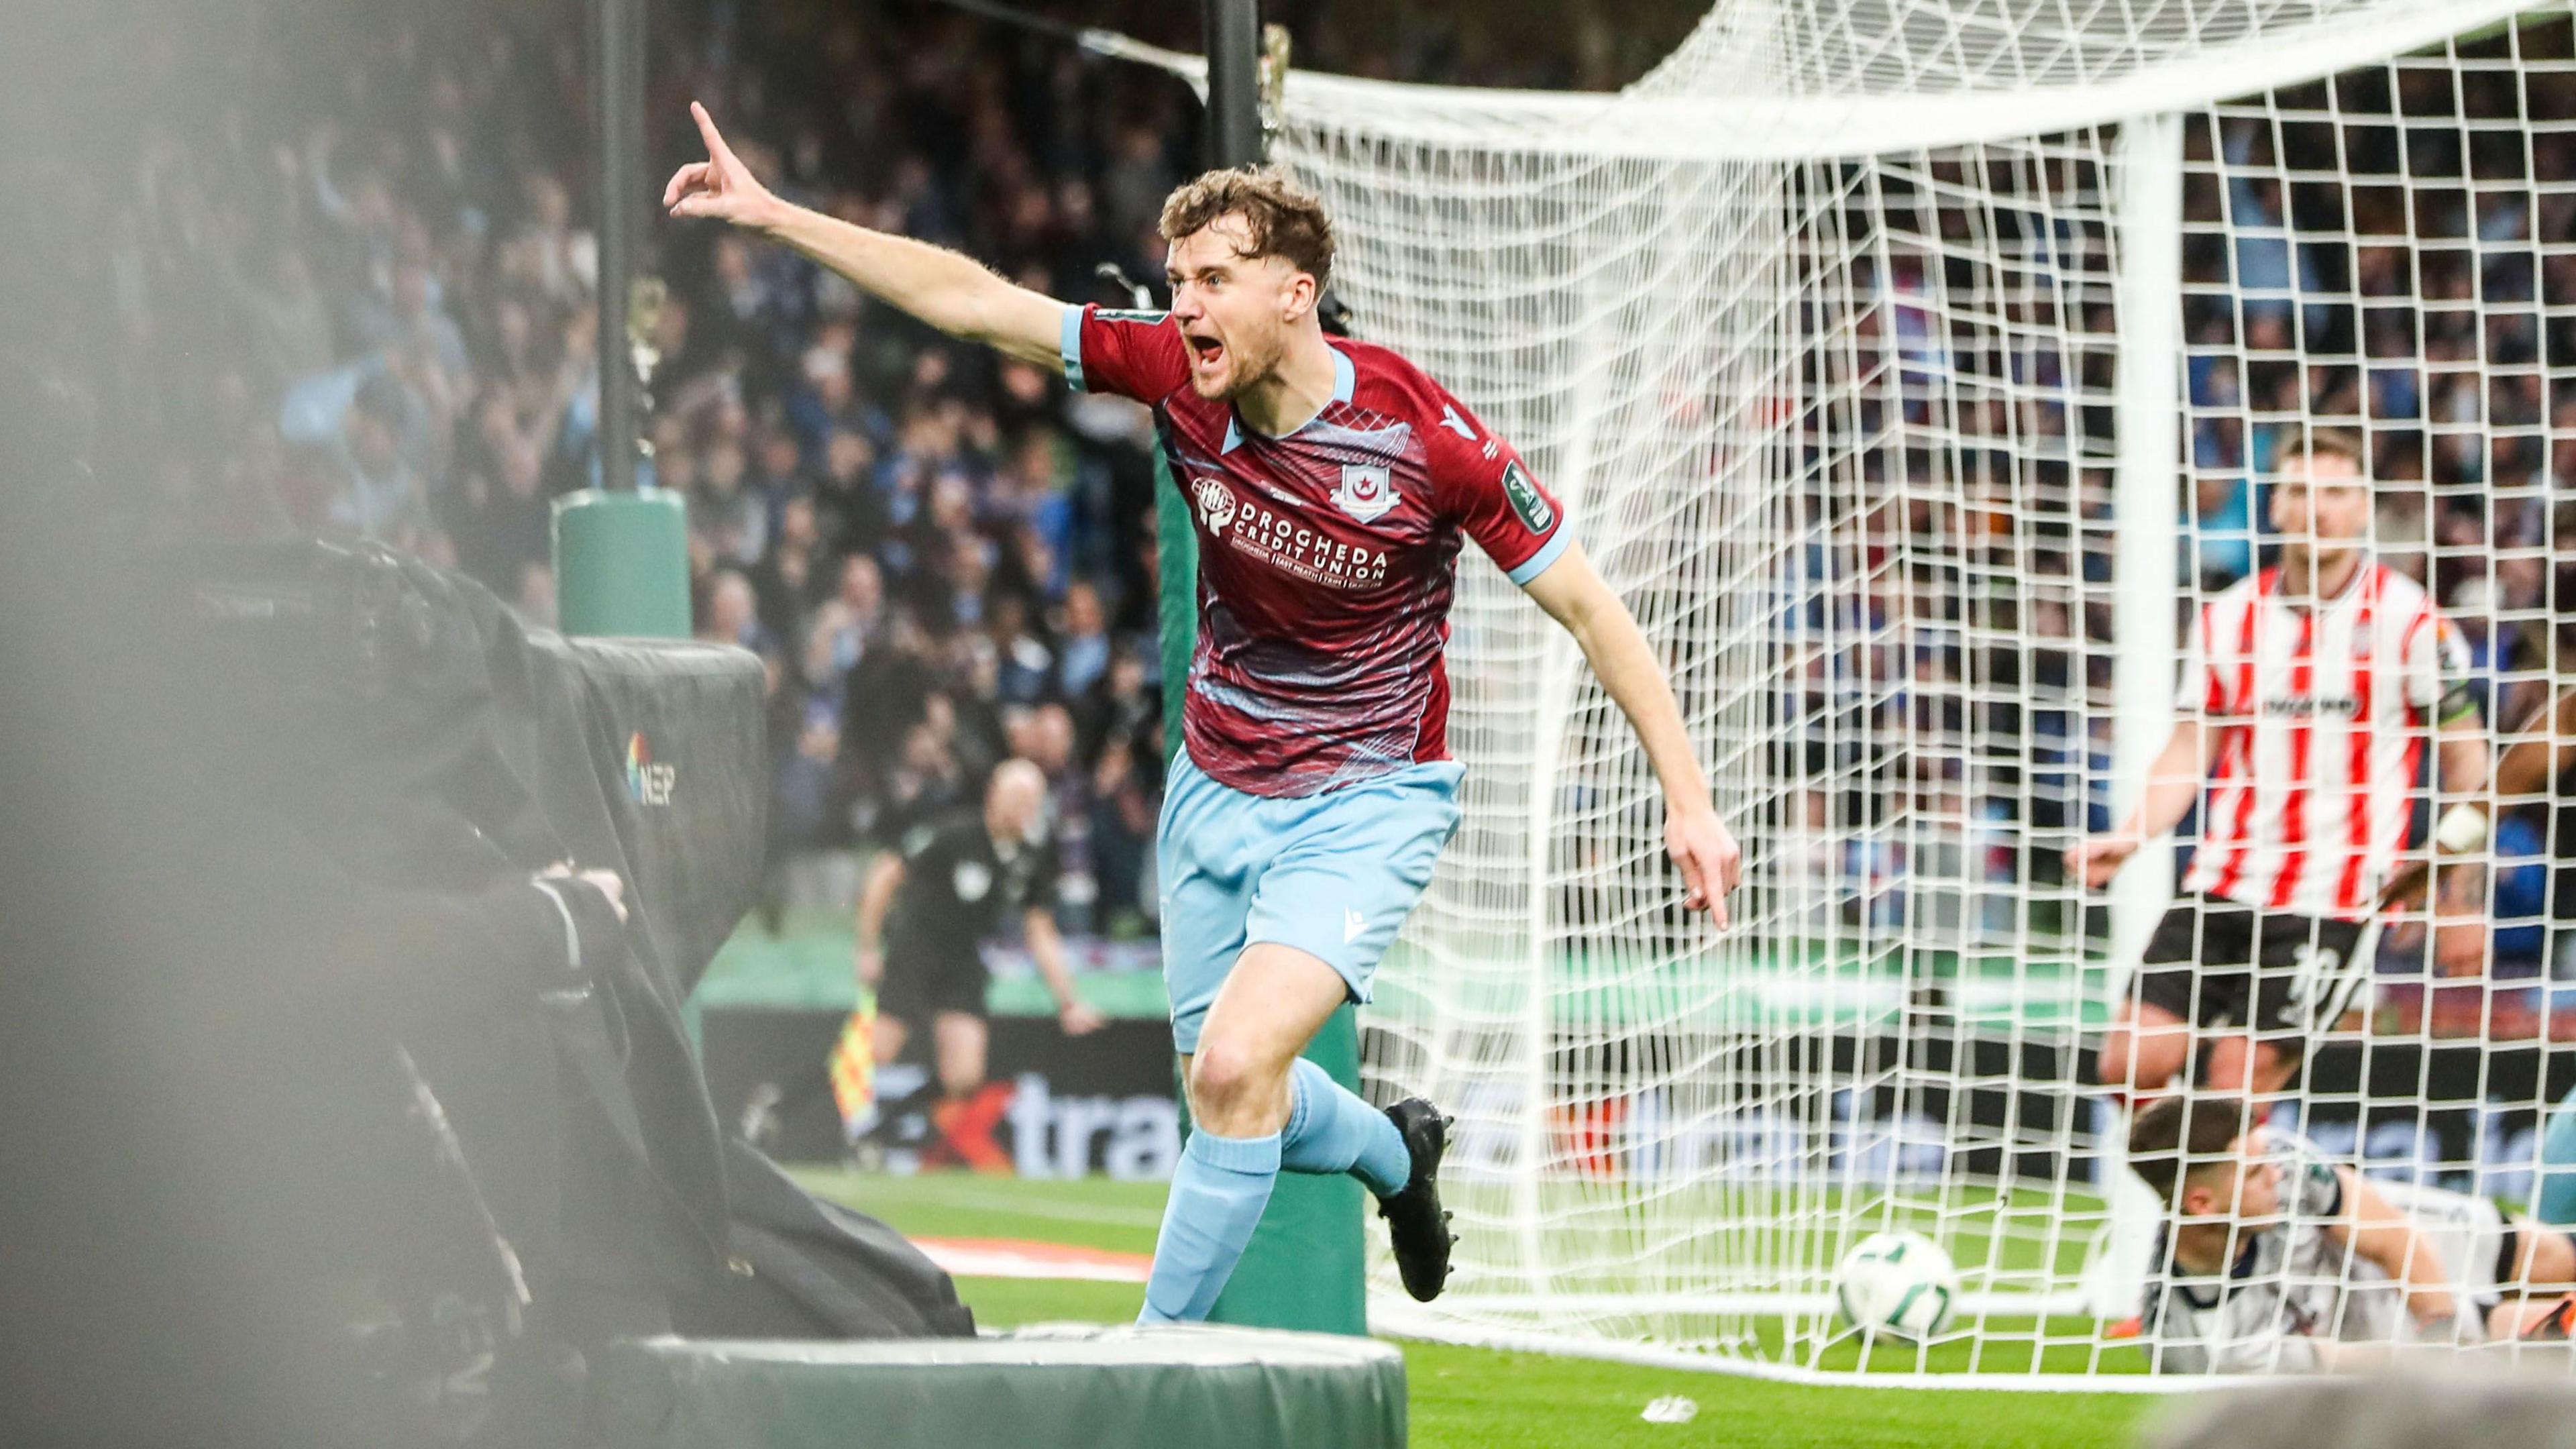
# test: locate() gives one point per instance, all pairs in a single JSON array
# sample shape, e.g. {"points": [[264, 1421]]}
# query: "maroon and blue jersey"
{"points": [[1327, 557]]}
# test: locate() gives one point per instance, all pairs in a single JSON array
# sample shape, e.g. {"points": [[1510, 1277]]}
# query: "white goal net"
{"points": [[1916, 372]]}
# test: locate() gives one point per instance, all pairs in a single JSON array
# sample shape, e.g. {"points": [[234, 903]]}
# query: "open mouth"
{"points": [[1204, 350]]}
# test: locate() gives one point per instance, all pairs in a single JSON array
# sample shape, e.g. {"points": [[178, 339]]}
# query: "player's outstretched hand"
{"points": [[720, 186], [1710, 862], [2095, 861], [1081, 1019]]}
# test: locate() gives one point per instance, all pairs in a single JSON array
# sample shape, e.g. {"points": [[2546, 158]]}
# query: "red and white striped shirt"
{"points": [[2321, 715]]}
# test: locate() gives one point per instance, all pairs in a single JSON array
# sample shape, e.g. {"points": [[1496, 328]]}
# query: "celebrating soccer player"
{"points": [[2315, 684], [1331, 483]]}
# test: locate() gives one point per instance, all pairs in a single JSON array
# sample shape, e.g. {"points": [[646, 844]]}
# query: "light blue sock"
{"points": [[1333, 1129], [1218, 1193]]}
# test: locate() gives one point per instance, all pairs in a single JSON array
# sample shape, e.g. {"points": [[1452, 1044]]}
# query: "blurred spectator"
{"points": [[733, 614], [376, 492], [1084, 648]]}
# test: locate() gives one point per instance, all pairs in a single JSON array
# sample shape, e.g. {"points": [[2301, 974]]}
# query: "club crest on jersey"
{"points": [[1216, 503], [1366, 492], [972, 879]]}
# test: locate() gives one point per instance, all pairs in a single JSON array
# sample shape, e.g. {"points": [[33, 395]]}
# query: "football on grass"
{"points": [[1897, 1283]]}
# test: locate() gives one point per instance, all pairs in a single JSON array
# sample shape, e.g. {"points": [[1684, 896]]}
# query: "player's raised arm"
{"points": [[1573, 593], [951, 292]]}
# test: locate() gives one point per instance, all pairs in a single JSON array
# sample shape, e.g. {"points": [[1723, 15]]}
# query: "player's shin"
{"points": [[1218, 1192], [1332, 1129]]}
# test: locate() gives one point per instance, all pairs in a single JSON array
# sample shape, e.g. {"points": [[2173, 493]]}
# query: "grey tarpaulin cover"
{"points": [[420, 735]]}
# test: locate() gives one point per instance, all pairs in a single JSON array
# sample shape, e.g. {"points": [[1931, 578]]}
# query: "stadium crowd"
{"points": [[944, 559]]}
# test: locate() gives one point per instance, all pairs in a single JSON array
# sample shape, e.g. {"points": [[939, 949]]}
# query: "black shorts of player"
{"points": [[920, 983], [2206, 965]]}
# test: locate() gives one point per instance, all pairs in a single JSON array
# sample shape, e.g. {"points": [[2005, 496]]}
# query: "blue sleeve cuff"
{"points": [[1537, 563], [1069, 343]]}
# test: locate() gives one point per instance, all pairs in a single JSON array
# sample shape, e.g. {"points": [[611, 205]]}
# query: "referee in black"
{"points": [[923, 919]]}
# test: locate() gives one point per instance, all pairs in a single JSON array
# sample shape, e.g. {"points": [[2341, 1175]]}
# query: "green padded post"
{"points": [[622, 563], [1307, 1265], [1176, 564], [1052, 1388]]}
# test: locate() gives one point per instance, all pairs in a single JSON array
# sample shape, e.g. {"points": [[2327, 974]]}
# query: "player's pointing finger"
{"points": [[1713, 888], [716, 147]]}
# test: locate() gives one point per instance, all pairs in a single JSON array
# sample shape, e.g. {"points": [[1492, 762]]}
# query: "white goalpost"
{"points": [[1913, 371]]}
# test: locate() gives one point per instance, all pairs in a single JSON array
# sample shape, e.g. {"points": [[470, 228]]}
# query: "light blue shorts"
{"points": [[1333, 875]]}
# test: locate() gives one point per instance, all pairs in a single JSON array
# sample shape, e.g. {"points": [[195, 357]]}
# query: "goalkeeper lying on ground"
{"points": [[2276, 1260]]}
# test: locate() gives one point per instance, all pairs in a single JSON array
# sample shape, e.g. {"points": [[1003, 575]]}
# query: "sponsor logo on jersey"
{"points": [[1527, 501], [2288, 706], [1216, 503], [1366, 492], [1298, 548], [1449, 419]]}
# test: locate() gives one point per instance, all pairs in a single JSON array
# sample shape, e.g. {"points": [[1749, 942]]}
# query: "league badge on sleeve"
{"points": [[1527, 501], [1366, 492]]}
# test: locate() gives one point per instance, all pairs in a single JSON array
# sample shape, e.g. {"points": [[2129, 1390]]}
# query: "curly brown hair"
{"points": [[1281, 218]]}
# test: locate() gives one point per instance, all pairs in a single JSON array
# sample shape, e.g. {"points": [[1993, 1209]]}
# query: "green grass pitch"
{"points": [[1469, 1398]]}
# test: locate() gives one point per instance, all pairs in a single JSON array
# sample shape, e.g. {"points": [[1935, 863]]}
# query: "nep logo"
{"points": [[648, 783]]}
